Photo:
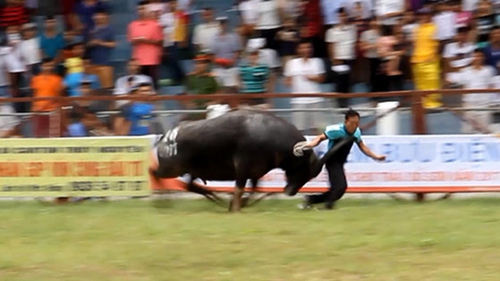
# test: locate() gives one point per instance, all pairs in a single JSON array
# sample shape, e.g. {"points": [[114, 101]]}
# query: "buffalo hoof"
{"points": [[244, 202]]}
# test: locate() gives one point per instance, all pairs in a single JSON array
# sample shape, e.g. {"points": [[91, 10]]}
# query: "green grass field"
{"points": [[196, 240]]}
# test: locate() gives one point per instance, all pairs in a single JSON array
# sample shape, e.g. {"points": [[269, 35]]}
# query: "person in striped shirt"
{"points": [[13, 14], [254, 78]]}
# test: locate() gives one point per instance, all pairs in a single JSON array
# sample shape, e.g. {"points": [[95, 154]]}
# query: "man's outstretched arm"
{"points": [[368, 152]]}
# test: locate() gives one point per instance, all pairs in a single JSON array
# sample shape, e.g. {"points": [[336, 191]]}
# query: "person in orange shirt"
{"points": [[46, 84]]}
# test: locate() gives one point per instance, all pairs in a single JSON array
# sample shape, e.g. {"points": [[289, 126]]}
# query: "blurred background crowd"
{"points": [[130, 47]]}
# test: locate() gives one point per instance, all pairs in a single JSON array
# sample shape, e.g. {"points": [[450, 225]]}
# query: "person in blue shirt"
{"points": [[347, 133], [137, 116], [73, 81]]}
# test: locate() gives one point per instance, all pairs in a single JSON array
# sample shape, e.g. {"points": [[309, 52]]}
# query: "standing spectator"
{"points": [[15, 65], [310, 22], [4, 74], [304, 75], [368, 45], [409, 25], [146, 36], [425, 60], [269, 21], [204, 33], [102, 42], [8, 124], [477, 76], [83, 19], [226, 51], [359, 8], [389, 11], [249, 17], [32, 7], [200, 82], [458, 55], [174, 23], [484, 22], [254, 78], [13, 14], [492, 51], [157, 7], [73, 81], [445, 20], [268, 57], [124, 84], [51, 42], [30, 47], [342, 40], [287, 39], [46, 84]]}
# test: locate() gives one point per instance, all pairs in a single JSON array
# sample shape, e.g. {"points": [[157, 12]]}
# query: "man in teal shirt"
{"points": [[345, 135]]}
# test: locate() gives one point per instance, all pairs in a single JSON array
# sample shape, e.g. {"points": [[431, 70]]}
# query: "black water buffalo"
{"points": [[238, 146]]}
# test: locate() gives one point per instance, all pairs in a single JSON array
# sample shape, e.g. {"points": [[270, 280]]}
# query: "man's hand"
{"points": [[379, 157]]}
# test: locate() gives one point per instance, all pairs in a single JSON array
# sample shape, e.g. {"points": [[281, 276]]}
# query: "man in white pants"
{"points": [[304, 75]]}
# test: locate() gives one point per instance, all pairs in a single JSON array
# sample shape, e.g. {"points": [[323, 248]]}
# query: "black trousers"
{"points": [[338, 185]]}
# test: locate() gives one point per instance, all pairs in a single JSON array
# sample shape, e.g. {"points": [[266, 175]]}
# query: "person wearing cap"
{"points": [[426, 58], [123, 84], [30, 48], [201, 82], [226, 50], [254, 79]]}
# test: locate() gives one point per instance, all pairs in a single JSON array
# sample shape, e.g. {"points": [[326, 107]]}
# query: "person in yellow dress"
{"points": [[425, 59]]}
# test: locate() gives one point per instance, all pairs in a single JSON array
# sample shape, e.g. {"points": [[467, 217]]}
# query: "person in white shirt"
{"points": [[477, 76], [445, 21], [4, 74], [30, 49], [269, 21], [204, 33], [342, 41], [16, 66], [389, 11], [304, 74], [8, 124], [124, 84], [249, 16], [458, 55]]}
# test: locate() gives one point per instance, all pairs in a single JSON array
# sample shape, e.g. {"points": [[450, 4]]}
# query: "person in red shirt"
{"points": [[13, 14], [146, 36]]}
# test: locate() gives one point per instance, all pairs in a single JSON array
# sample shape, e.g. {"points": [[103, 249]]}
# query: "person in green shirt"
{"points": [[201, 82]]}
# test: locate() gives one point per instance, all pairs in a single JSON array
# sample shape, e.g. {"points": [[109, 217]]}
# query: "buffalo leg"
{"points": [[210, 195], [238, 192]]}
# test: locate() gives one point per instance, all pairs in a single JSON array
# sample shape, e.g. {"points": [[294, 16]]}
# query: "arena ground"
{"points": [[196, 240]]}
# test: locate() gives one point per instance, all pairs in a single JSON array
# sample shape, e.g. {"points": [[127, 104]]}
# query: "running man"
{"points": [[335, 165]]}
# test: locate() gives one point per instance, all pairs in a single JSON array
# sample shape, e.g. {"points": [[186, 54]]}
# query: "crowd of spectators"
{"points": [[384, 44]]}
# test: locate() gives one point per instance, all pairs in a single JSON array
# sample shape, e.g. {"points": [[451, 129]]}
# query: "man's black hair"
{"points": [[304, 41], [50, 17], [351, 113], [142, 3], [341, 10]]}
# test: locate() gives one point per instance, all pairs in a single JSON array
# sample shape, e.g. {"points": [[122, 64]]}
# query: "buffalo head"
{"points": [[306, 165]]}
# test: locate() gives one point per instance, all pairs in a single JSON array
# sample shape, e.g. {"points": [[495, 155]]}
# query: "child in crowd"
{"points": [[74, 63], [30, 47]]}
